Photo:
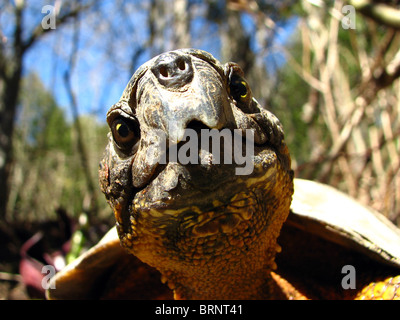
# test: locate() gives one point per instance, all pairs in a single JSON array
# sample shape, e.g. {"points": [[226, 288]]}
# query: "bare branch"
{"points": [[60, 20], [92, 210], [378, 11]]}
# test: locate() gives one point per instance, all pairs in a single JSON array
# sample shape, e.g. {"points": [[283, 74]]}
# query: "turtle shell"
{"points": [[328, 233], [325, 231], [107, 271]]}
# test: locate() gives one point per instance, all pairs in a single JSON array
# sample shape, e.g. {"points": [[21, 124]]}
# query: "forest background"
{"points": [[328, 69]]}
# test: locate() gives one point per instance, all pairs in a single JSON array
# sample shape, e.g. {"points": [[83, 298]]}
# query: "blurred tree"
{"points": [[12, 52], [42, 143], [351, 110], [385, 12], [47, 174]]}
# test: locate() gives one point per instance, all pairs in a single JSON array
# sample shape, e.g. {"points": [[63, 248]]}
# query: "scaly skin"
{"points": [[388, 289], [201, 262]]}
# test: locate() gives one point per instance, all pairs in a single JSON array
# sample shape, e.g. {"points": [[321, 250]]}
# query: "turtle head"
{"points": [[198, 175]]}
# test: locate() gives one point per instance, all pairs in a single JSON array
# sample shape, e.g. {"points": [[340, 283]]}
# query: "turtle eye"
{"points": [[239, 89], [125, 132]]}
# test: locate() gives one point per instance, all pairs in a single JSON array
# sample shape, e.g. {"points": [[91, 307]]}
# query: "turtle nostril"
{"points": [[181, 65], [164, 71], [173, 70]]}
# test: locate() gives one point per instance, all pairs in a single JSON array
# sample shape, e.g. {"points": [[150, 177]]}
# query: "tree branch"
{"points": [[83, 154], [379, 12], [60, 20]]}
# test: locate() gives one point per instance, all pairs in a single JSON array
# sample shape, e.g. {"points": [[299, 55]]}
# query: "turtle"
{"points": [[206, 205]]}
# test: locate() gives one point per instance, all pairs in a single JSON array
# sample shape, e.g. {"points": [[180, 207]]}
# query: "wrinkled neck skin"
{"points": [[234, 264], [246, 279]]}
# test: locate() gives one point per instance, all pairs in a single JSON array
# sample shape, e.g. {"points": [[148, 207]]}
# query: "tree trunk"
{"points": [[181, 24], [10, 74]]}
